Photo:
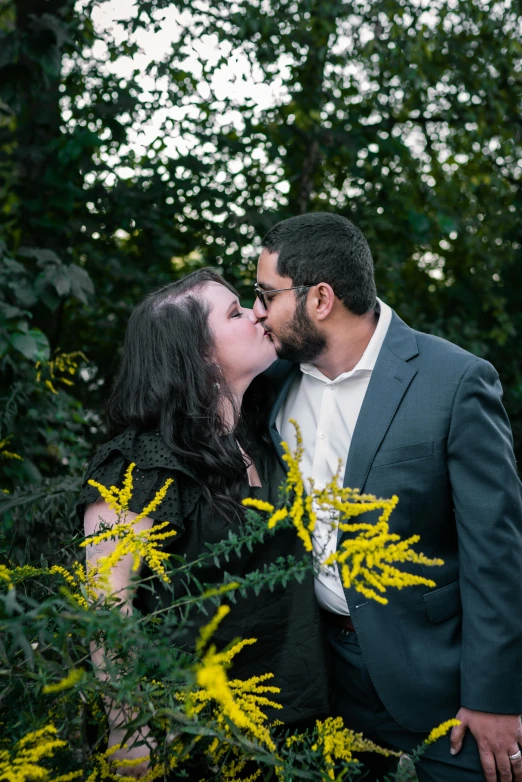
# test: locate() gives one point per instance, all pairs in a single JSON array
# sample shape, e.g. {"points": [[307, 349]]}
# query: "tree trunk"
{"points": [[310, 100], [41, 29]]}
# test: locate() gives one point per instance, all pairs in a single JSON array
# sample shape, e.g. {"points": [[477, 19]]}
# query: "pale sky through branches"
{"points": [[234, 82]]}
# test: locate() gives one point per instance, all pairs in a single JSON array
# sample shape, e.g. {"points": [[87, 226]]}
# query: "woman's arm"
{"points": [[119, 585], [96, 514]]}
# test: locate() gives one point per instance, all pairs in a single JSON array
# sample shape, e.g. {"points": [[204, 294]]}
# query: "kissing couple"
{"points": [[204, 394]]}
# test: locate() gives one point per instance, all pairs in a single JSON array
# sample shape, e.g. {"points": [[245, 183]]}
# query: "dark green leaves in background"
{"points": [[119, 172]]}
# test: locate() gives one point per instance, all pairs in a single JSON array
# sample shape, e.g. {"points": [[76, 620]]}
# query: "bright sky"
{"points": [[234, 81]]}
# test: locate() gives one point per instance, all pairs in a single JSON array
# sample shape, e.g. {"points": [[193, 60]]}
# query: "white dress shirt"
{"points": [[327, 412]]}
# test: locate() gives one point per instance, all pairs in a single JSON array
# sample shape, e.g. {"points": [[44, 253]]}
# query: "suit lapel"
{"points": [[280, 398], [389, 382], [390, 379]]}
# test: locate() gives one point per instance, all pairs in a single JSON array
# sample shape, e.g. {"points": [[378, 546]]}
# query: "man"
{"points": [[413, 415]]}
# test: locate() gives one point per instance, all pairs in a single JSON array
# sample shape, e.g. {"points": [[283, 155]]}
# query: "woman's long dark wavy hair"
{"points": [[168, 382]]}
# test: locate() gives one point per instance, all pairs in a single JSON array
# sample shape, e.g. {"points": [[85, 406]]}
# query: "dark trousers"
{"points": [[358, 703]]}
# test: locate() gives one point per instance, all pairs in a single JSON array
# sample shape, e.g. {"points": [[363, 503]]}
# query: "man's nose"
{"points": [[259, 311]]}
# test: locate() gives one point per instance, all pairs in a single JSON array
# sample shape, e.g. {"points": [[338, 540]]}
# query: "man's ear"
{"points": [[322, 300]]}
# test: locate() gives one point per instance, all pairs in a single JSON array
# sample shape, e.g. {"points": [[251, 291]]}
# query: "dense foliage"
{"points": [[121, 169], [176, 702]]}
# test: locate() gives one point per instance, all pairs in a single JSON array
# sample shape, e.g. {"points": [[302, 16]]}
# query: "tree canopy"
{"points": [[123, 168]]}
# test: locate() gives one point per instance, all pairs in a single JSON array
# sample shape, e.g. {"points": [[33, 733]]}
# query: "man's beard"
{"points": [[301, 341]]}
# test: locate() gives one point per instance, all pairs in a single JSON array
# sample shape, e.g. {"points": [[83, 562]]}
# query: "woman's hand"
{"points": [[130, 752]]}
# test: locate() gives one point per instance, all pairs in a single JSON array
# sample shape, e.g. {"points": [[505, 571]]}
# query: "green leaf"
{"points": [[25, 345], [81, 284], [43, 347], [4, 345], [24, 293], [32, 472], [44, 257], [8, 48], [46, 292], [59, 278], [34, 345], [13, 266], [7, 311]]}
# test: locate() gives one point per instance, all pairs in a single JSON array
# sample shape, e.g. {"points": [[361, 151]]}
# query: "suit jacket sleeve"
{"points": [[487, 498]]}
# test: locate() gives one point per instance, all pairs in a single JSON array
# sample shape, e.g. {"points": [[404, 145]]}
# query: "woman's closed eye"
{"points": [[237, 314]]}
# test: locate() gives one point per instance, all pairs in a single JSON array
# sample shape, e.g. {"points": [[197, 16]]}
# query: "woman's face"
{"points": [[243, 348]]}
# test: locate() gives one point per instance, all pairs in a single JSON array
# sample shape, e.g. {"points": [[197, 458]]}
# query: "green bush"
{"points": [[179, 702]]}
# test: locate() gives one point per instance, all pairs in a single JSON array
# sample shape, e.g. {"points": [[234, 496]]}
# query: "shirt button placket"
{"points": [[320, 456]]}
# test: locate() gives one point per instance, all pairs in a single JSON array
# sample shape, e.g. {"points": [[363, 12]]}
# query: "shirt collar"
{"points": [[369, 357]]}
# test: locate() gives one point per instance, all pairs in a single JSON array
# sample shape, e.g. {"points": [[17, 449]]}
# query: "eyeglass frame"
{"points": [[260, 294]]}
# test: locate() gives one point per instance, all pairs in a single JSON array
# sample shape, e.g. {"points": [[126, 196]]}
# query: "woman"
{"points": [[185, 405]]}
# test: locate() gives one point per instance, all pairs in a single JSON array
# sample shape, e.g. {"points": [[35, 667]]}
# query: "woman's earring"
{"points": [[217, 385]]}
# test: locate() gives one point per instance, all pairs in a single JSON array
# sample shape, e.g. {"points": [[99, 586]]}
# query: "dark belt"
{"points": [[340, 621]]}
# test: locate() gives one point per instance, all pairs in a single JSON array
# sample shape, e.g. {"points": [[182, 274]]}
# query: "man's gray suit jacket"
{"points": [[433, 430]]}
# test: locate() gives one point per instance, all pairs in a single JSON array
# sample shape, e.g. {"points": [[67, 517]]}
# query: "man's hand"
{"points": [[497, 736]]}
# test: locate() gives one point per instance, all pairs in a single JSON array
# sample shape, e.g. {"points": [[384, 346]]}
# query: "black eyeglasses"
{"points": [[261, 293]]}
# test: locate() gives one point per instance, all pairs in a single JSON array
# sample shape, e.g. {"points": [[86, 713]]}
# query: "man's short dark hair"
{"points": [[324, 247]]}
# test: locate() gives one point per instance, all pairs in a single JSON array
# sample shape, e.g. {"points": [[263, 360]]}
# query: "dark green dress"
{"points": [[285, 621]]}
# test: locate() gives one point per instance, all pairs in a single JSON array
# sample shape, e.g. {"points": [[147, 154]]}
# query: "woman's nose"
{"points": [[251, 314]]}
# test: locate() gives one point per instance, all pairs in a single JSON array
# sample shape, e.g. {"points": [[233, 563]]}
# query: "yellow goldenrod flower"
{"points": [[239, 701], [441, 730], [249, 502], [126, 491], [216, 591], [23, 571], [279, 515], [105, 766], [64, 363], [117, 499], [253, 683], [228, 656], [158, 499], [209, 629], [140, 545], [68, 577], [21, 763], [83, 578], [232, 772], [309, 501], [70, 680], [107, 495], [18, 574], [8, 454], [367, 562], [369, 551], [339, 743], [211, 677], [5, 576]]}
